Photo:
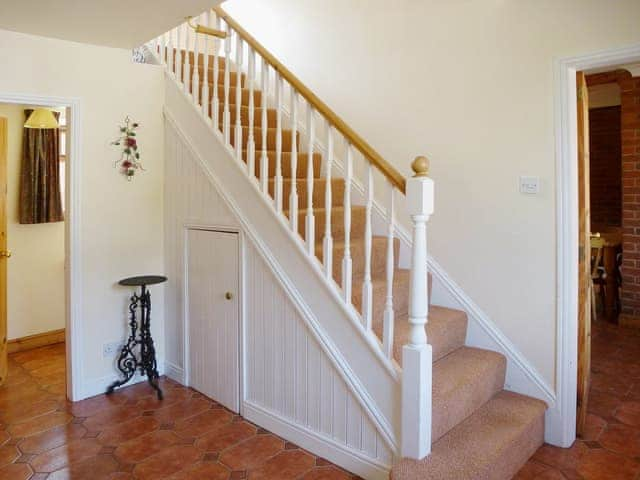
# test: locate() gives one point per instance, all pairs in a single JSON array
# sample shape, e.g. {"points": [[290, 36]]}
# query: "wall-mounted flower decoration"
{"points": [[129, 161]]}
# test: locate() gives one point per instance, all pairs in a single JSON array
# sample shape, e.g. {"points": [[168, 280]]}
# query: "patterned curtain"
{"points": [[40, 197]]}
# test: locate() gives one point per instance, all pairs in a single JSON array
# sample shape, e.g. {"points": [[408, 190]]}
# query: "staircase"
{"points": [[478, 429]]}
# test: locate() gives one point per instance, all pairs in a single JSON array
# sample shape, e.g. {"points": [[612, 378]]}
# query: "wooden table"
{"points": [[613, 245]]}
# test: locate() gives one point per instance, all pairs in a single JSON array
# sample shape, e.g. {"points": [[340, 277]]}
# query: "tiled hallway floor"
{"points": [[610, 449], [132, 435]]}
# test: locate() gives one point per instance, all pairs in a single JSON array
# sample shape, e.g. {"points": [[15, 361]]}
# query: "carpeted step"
{"points": [[257, 97], [244, 115], [285, 161], [493, 443], [378, 257], [271, 138], [233, 79], [319, 191], [337, 223], [463, 381]]}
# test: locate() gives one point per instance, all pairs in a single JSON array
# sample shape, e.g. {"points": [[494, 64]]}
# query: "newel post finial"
{"points": [[417, 357], [420, 167]]}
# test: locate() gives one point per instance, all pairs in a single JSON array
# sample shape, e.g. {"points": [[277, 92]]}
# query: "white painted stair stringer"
{"points": [[356, 354]]}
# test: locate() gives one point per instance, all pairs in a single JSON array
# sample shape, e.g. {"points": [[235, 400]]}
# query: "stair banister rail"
{"points": [[319, 106], [232, 99]]}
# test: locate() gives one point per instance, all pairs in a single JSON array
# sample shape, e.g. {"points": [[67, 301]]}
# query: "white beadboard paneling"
{"points": [[296, 372]]}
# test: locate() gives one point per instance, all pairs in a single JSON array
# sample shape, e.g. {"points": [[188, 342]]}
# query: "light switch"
{"points": [[530, 185]]}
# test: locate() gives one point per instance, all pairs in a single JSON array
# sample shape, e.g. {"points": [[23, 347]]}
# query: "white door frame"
{"points": [[561, 418], [73, 271], [241, 306]]}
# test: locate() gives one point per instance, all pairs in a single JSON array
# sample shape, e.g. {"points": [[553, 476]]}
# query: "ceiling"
{"points": [[113, 23]]}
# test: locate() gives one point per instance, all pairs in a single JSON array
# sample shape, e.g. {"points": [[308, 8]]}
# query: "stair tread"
{"points": [[463, 381], [493, 443]]}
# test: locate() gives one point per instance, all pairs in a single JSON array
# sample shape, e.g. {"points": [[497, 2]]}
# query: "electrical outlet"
{"points": [[530, 185], [111, 349]]}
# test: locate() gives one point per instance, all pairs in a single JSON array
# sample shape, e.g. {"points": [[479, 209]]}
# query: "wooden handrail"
{"points": [[388, 170]]}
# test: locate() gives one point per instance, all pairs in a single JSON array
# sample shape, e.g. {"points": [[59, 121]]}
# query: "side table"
{"points": [[128, 362]]}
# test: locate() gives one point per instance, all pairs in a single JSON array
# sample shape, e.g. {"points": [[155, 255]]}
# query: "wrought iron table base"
{"points": [[128, 362]]}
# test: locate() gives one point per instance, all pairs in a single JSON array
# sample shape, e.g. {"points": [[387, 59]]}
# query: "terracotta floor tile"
{"points": [[536, 471], [43, 362], [208, 471], [629, 413], [622, 439], [602, 464], [4, 437], [225, 436], [53, 438], [22, 411], [603, 404], [171, 396], [48, 370], [136, 450], [326, 473], [167, 462], [121, 476], [8, 454], [110, 417], [252, 453], [94, 405], [182, 410], [27, 392], [285, 465], [64, 455], [204, 422], [39, 424], [95, 468], [128, 430], [617, 385], [15, 471]]}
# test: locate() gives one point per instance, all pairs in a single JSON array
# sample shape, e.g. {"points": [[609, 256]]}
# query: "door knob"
{"points": [[228, 295], [5, 253]]}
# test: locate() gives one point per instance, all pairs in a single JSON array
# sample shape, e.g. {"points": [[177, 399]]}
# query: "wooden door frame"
{"points": [[73, 273], [560, 422], [241, 304]]}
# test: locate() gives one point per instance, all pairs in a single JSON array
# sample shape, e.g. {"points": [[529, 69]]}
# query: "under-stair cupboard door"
{"points": [[3, 247], [213, 315]]}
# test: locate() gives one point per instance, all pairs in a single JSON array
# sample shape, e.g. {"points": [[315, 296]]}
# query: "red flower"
{"points": [[126, 164], [131, 142]]}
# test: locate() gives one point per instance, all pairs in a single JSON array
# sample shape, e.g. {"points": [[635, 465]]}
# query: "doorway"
{"points": [[213, 315], [39, 269], [607, 242]]}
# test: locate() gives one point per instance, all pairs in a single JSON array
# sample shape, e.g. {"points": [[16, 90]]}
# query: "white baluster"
{"points": [[215, 102], [310, 220], [195, 78], [171, 61], [346, 259], [367, 288], [204, 100], [388, 322], [417, 357], [162, 39], [327, 243], [264, 159], [227, 79], [278, 185], [238, 129], [293, 196], [251, 144], [187, 62], [178, 59]]}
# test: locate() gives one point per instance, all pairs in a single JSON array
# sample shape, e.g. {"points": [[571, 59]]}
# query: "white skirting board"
{"points": [[349, 459]]}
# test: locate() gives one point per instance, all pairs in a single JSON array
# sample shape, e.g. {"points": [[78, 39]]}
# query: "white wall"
{"points": [[470, 84], [36, 267], [121, 221]]}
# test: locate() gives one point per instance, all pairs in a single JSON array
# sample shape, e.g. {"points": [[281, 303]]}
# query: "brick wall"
{"points": [[630, 120], [605, 167]]}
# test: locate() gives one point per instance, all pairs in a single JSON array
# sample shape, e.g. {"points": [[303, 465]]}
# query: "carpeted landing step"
{"points": [[493, 443]]}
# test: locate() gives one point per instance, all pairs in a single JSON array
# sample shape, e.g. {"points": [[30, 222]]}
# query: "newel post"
{"points": [[417, 355]]}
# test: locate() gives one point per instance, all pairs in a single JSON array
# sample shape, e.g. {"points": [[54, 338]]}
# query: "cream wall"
{"points": [[121, 222], [35, 272], [470, 84]]}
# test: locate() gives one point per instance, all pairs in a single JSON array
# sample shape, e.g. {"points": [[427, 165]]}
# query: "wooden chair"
{"points": [[598, 273]]}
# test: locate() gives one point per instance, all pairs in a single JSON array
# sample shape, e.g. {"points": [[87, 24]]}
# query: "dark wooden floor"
{"points": [[132, 435]]}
